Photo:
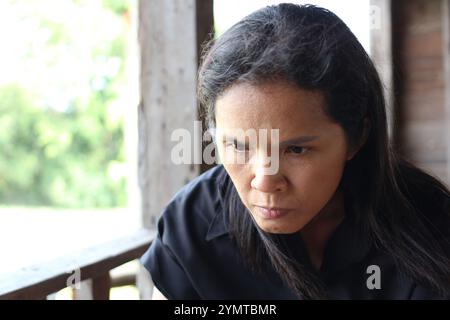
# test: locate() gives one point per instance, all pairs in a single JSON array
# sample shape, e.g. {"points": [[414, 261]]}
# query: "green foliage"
{"points": [[117, 6], [66, 154], [57, 159]]}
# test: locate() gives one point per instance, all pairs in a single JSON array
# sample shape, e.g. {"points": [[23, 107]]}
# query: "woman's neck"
{"points": [[316, 233]]}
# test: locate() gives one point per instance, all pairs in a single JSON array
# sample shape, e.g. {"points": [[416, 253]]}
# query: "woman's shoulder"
{"points": [[206, 184], [194, 209], [181, 247]]}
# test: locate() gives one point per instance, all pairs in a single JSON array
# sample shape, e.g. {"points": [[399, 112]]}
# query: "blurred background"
{"points": [[90, 92]]}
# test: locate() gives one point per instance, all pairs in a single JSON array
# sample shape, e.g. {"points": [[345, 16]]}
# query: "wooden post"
{"points": [[205, 23], [381, 52], [168, 47], [446, 57], [205, 32], [167, 38], [144, 284], [97, 288]]}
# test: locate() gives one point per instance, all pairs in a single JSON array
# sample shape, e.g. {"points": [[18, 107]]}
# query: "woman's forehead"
{"points": [[275, 105]]}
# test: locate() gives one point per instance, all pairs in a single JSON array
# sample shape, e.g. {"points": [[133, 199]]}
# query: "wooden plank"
{"points": [[123, 280], [38, 281]]}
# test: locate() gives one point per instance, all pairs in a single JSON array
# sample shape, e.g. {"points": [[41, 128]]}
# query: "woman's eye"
{"points": [[295, 150]]}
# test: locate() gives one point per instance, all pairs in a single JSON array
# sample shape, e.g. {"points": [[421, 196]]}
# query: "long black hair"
{"points": [[404, 210]]}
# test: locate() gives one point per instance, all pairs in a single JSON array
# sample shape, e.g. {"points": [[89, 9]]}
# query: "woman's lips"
{"points": [[271, 213]]}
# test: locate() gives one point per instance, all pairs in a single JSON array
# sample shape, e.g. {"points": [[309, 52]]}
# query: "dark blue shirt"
{"points": [[193, 256]]}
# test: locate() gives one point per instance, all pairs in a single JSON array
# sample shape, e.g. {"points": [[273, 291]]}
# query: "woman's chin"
{"points": [[278, 227]]}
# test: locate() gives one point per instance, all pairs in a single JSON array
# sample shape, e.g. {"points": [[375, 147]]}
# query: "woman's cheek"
{"points": [[326, 179], [316, 181]]}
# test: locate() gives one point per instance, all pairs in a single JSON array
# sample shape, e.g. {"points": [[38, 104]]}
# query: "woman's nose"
{"points": [[267, 182]]}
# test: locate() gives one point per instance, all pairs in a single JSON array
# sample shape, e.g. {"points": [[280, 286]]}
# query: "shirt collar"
{"points": [[217, 227], [219, 224]]}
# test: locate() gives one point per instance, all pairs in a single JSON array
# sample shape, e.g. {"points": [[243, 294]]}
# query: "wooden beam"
{"points": [[128, 279], [39, 281]]}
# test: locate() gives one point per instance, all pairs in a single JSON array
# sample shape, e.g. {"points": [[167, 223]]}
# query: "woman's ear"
{"points": [[363, 139]]}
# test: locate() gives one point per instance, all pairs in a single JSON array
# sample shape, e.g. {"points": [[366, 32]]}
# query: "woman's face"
{"points": [[308, 172]]}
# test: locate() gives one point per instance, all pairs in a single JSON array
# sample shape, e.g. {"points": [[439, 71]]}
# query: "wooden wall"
{"points": [[419, 44]]}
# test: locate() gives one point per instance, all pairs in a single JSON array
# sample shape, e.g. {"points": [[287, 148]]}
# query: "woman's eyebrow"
{"points": [[298, 140]]}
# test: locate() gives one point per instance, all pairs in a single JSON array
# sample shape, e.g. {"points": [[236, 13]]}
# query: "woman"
{"points": [[341, 217]]}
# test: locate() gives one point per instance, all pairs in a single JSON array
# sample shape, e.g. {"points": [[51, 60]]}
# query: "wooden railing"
{"points": [[92, 264]]}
